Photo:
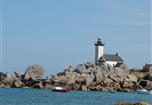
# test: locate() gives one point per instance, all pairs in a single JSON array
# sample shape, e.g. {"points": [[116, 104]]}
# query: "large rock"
{"points": [[122, 66], [71, 80], [34, 72], [149, 85], [70, 69], [106, 69], [5, 76], [132, 78], [107, 81], [121, 72], [2, 76], [90, 65], [128, 103], [2, 85], [146, 84], [6, 80], [89, 79], [129, 83], [81, 68], [38, 85], [126, 85], [99, 76], [148, 76], [60, 80], [17, 83], [114, 77], [147, 67], [83, 87], [47, 85], [18, 75], [67, 72]]}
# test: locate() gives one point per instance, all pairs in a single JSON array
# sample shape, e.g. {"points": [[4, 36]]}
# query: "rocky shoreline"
{"points": [[86, 76], [137, 103]]}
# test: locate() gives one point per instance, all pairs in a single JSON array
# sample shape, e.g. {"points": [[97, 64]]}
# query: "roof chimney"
{"points": [[116, 54]]}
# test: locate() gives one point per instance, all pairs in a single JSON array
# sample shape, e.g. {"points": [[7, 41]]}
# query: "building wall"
{"points": [[99, 50], [147, 67], [112, 63]]}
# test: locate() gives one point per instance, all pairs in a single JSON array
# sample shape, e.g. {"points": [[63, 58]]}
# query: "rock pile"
{"points": [[137, 103], [101, 78], [30, 79], [86, 76]]}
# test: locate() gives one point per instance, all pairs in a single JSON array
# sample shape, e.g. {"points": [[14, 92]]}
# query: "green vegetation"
{"points": [[135, 69], [139, 79]]}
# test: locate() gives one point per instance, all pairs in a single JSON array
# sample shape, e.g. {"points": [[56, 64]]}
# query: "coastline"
{"points": [[88, 77]]}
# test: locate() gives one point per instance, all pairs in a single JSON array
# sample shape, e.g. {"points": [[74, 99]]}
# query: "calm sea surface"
{"points": [[47, 97]]}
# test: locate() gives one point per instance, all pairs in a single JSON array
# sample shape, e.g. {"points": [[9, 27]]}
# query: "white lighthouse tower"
{"points": [[99, 49]]}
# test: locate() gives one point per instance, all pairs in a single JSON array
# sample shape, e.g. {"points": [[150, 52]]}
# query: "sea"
{"points": [[17, 96]]}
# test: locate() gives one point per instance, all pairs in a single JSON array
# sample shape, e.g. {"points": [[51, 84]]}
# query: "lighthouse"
{"points": [[99, 49]]}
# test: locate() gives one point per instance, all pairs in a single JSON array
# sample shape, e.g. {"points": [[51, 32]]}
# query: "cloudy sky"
{"points": [[59, 33]]}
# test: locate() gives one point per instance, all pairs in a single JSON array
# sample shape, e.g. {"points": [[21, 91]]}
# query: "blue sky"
{"points": [[59, 33]]}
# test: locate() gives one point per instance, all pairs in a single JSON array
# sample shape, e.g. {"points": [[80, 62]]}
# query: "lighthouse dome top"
{"points": [[99, 37], [99, 41]]}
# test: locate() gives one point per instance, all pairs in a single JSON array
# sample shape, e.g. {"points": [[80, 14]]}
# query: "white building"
{"points": [[99, 49], [111, 59]]}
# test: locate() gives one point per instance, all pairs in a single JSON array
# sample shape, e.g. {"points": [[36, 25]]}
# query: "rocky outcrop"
{"points": [[146, 84], [129, 83], [18, 75], [137, 103], [148, 76], [31, 78], [101, 78], [86, 77], [34, 72], [6, 80], [17, 83]]}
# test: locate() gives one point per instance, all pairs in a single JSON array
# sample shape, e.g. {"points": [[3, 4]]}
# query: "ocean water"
{"points": [[47, 97]]}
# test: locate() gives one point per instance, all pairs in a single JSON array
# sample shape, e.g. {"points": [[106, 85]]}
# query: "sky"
{"points": [[59, 33]]}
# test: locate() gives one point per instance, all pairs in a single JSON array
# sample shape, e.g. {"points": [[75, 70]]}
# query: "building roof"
{"points": [[112, 57]]}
